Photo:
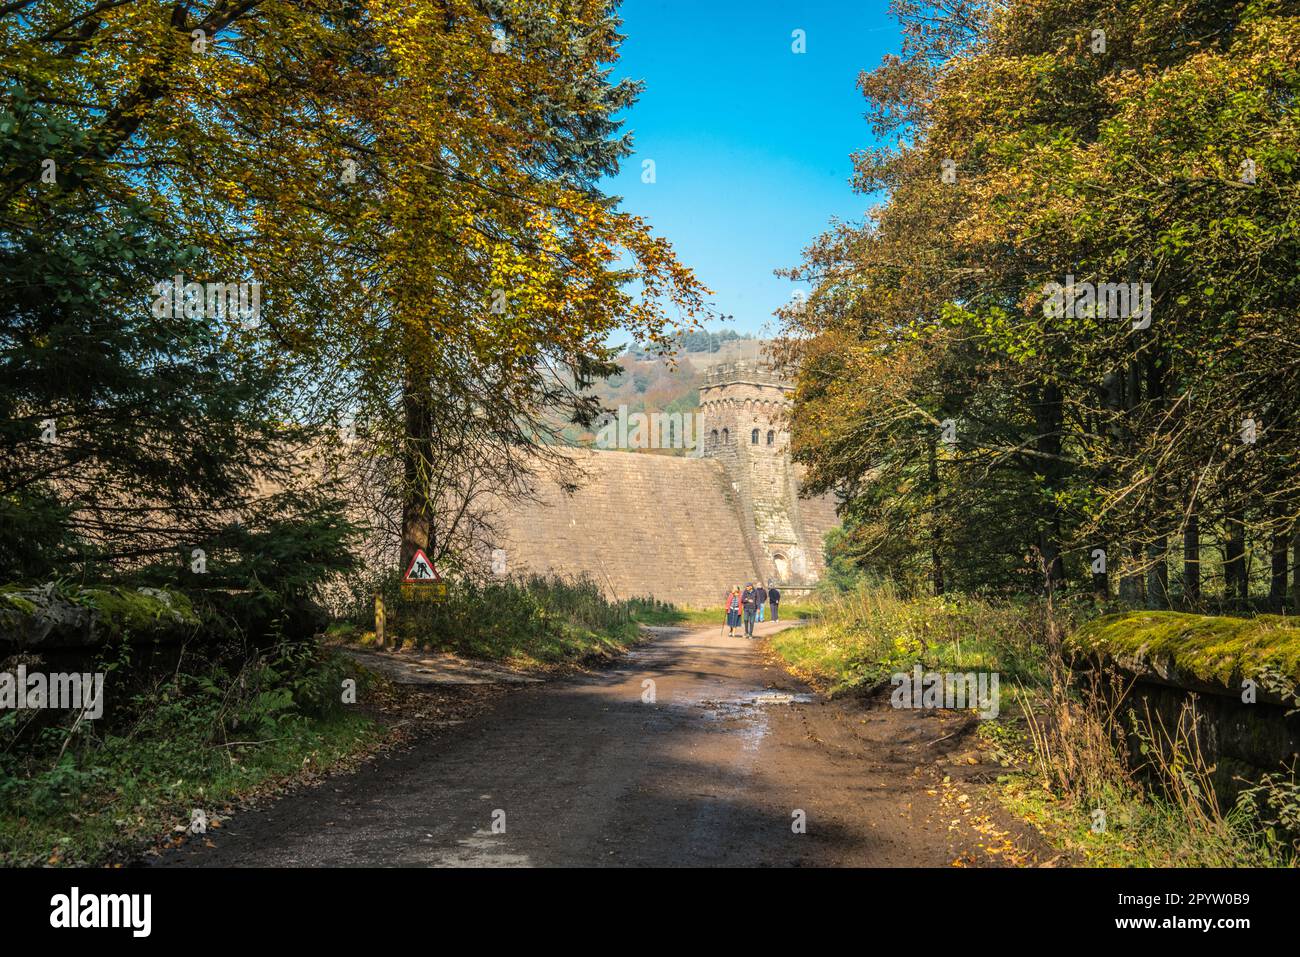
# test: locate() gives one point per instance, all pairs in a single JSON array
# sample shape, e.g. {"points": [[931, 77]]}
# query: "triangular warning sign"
{"points": [[421, 569]]}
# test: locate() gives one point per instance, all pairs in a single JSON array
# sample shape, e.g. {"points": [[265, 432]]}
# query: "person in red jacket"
{"points": [[733, 610]]}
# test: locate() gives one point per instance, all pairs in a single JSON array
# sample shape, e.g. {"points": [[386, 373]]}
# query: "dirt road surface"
{"points": [[717, 767]]}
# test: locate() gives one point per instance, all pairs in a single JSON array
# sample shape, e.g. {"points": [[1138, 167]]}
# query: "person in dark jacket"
{"points": [[761, 594], [749, 606], [774, 600]]}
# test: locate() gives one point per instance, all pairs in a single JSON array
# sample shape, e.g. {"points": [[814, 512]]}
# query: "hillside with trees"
{"points": [[650, 382]]}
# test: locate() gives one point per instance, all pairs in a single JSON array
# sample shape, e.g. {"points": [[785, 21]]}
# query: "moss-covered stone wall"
{"points": [[50, 617], [1241, 675]]}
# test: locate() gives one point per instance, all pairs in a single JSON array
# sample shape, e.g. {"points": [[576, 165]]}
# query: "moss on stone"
{"points": [[139, 611], [1213, 649], [59, 615], [11, 598]]}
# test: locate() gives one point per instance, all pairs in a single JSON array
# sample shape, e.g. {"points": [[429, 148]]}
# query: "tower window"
{"points": [[771, 436], [726, 436], [753, 437], [713, 436]]}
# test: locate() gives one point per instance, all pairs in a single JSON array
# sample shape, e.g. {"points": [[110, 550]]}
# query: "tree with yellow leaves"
{"points": [[413, 183]]}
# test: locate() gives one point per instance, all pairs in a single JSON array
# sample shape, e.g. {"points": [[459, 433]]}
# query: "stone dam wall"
{"points": [[677, 528]]}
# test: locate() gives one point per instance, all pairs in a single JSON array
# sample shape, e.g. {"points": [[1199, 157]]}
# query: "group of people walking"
{"points": [[745, 606]]}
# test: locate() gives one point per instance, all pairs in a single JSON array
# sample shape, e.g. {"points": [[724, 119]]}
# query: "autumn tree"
{"points": [[413, 185], [1044, 143]]}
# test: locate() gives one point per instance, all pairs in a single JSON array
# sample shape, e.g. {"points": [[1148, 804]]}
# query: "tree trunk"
{"points": [[1100, 579], [1192, 559], [936, 556], [1295, 565], [417, 512], [1157, 370], [1236, 585], [1130, 582], [1277, 582], [1048, 417], [1158, 573]]}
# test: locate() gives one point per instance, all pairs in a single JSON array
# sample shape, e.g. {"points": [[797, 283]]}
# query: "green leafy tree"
{"points": [[1037, 143], [127, 438]]}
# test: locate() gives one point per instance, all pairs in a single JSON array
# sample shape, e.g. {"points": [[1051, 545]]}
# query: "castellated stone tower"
{"points": [[745, 427], [683, 528]]}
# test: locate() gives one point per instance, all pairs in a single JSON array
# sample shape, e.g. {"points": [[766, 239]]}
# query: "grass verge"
{"points": [[535, 623], [1058, 743], [861, 638], [716, 617], [102, 793]]}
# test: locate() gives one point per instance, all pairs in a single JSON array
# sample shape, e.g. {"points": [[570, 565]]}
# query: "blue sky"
{"points": [[751, 141]]}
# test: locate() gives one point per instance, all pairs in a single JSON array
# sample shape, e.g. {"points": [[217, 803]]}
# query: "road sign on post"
{"points": [[422, 581]]}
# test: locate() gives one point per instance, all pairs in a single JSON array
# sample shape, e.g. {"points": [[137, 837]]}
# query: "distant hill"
{"points": [[652, 384], [700, 341]]}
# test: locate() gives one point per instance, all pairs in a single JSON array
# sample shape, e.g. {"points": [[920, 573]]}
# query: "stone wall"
{"points": [[1227, 684], [639, 524], [1238, 742]]}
